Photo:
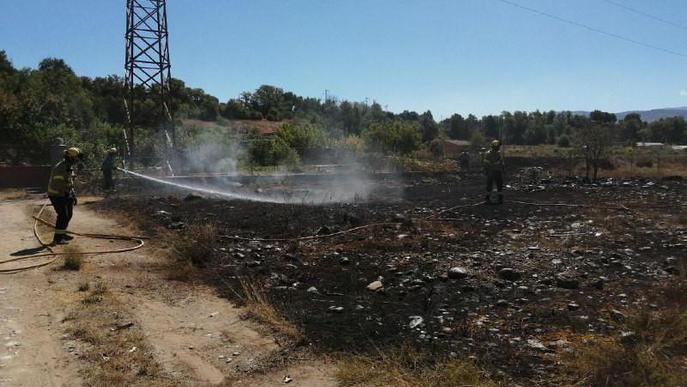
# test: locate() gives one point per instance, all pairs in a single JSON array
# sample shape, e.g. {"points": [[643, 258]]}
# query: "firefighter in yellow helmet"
{"points": [[61, 193], [493, 168]]}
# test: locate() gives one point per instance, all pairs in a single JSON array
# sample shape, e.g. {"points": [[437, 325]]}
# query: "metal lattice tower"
{"points": [[147, 59]]}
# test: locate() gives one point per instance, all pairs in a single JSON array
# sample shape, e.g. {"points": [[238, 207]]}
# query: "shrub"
{"points": [[477, 141], [305, 139], [564, 141], [436, 147], [73, 260], [197, 244], [396, 137]]}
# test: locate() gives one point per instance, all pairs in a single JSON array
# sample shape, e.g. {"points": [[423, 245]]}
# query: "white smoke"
{"points": [[211, 165], [213, 158]]}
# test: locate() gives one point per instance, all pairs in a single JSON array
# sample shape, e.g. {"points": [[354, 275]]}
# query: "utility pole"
{"points": [[147, 63]]}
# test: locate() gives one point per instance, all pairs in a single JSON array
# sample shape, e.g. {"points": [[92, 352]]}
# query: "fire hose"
{"points": [[53, 255]]}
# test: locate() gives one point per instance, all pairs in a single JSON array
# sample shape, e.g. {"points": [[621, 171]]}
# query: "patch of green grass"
{"points": [[73, 260]]}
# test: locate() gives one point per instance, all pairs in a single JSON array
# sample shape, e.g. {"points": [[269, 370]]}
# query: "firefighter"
{"points": [[464, 161], [493, 167], [61, 193], [108, 167]]}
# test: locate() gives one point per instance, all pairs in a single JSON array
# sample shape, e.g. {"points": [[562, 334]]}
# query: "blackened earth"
{"points": [[529, 281]]}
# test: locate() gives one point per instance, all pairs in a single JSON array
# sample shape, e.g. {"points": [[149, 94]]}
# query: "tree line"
{"points": [[38, 105]]}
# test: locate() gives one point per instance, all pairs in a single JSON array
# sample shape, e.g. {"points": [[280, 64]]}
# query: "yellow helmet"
{"points": [[72, 152], [112, 150], [496, 143]]}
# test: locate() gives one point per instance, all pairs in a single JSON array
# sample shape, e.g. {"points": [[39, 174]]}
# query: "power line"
{"points": [[593, 29], [645, 14]]}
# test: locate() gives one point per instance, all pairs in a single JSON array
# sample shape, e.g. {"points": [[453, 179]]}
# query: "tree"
{"points": [[351, 118], [477, 141], [630, 127], [564, 141], [515, 126], [5, 64], [602, 117], [409, 116], [234, 110], [535, 133], [458, 128], [399, 137], [429, 127], [436, 148], [593, 139], [669, 130], [267, 98], [492, 126], [473, 124], [305, 139]]}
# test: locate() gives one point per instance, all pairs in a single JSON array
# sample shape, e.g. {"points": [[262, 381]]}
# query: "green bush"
{"points": [[73, 260], [392, 137], [305, 139], [477, 141], [436, 147], [563, 141]]}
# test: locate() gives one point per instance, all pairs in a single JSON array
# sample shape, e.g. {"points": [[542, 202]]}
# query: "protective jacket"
{"points": [[61, 182], [108, 163], [493, 161]]}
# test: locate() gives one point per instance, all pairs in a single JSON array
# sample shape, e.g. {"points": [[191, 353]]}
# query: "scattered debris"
{"points": [[415, 321], [375, 286], [475, 281], [124, 325], [457, 272]]}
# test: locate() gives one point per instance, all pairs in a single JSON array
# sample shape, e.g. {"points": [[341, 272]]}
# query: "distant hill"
{"points": [[650, 115], [657, 114]]}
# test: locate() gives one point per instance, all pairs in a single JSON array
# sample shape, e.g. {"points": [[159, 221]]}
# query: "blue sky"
{"points": [[465, 56]]}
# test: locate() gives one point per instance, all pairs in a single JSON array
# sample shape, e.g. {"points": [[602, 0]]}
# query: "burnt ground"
{"points": [[529, 281]]}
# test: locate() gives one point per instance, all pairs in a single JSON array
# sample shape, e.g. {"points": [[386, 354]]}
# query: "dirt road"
{"points": [[31, 309], [196, 338]]}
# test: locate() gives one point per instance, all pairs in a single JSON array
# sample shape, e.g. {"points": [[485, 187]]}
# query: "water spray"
{"points": [[307, 197]]}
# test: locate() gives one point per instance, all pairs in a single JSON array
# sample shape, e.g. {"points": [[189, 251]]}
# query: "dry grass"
{"points": [[627, 162], [625, 170], [260, 308], [180, 271], [407, 367], [12, 194], [652, 357], [655, 354], [115, 357], [196, 245]]}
